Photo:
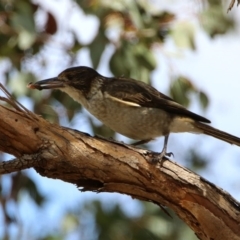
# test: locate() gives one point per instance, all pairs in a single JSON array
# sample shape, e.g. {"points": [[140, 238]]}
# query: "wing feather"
{"points": [[136, 93]]}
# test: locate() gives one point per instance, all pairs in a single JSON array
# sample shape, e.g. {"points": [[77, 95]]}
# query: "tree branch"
{"points": [[232, 4], [95, 164], [21, 163]]}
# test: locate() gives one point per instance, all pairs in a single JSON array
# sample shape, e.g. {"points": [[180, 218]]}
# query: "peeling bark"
{"points": [[95, 164]]}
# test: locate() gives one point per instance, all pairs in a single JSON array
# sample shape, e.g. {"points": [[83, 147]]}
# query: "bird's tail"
{"points": [[211, 131]]}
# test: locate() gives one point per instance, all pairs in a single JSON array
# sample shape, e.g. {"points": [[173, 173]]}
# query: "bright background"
{"points": [[213, 68]]}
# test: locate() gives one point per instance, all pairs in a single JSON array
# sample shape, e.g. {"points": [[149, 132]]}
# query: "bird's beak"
{"points": [[50, 83]]}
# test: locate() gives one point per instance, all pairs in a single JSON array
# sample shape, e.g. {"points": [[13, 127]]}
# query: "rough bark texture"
{"points": [[95, 164]]}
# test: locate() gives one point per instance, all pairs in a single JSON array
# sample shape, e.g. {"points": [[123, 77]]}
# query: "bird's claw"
{"points": [[160, 157], [170, 154]]}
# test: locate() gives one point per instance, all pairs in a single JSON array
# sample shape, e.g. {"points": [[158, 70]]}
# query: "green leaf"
{"points": [[69, 104], [23, 18], [31, 188], [195, 160], [76, 46], [48, 112], [24, 183], [215, 22], [133, 60], [145, 57], [121, 61], [70, 223], [26, 40], [203, 99], [97, 47], [180, 90], [183, 35]]}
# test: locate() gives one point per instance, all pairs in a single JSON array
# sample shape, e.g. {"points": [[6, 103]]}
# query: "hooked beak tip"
{"points": [[51, 83], [32, 86]]}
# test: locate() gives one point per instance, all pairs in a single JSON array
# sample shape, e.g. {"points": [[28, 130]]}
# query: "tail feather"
{"points": [[211, 131]]}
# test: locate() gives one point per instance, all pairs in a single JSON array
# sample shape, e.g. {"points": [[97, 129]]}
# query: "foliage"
{"points": [[34, 40]]}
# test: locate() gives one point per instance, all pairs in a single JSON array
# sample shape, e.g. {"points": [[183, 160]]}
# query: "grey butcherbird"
{"points": [[130, 107]]}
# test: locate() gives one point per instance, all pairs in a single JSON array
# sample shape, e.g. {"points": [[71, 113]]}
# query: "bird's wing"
{"points": [[139, 94]]}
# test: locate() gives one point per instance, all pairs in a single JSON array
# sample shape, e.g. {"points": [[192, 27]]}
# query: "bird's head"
{"points": [[80, 78]]}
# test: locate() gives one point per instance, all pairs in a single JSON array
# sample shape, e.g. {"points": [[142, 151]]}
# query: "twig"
{"points": [[21, 163], [14, 103], [232, 4]]}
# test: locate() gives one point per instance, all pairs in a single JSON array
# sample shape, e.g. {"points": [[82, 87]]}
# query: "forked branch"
{"points": [[95, 164]]}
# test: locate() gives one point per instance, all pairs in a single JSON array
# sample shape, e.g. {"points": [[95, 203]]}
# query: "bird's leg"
{"points": [[164, 150], [155, 157], [141, 142]]}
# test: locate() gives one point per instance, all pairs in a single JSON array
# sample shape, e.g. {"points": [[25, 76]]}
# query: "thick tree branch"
{"points": [[99, 165]]}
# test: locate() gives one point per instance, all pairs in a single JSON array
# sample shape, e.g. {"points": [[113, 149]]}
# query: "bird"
{"points": [[131, 107]]}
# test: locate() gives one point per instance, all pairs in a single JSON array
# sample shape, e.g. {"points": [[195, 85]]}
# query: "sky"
{"points": [[214, 68]]}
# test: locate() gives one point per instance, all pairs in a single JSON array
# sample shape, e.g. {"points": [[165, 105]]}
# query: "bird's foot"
{"points": [[170, 154], [160, 157]]}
